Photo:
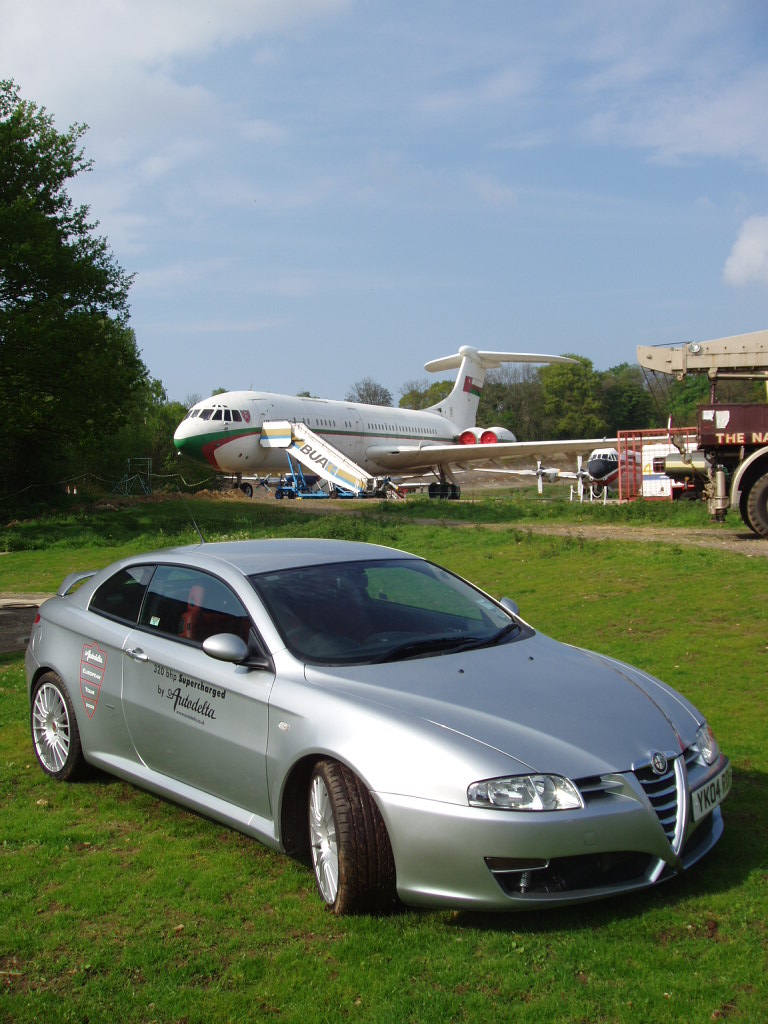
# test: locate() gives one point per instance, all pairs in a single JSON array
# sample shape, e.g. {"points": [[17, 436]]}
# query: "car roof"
{"points": [[257, 556]]}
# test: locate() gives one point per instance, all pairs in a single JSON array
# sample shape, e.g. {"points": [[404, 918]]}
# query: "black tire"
{"points": [[757, 506], [247, 490], [351, 853], [55, 734]]}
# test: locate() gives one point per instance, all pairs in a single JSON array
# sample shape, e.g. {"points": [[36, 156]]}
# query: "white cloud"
{"points": [[723, 119], [748, 259], [118, 66], [499, 88], [144, 31], [491, 191]]}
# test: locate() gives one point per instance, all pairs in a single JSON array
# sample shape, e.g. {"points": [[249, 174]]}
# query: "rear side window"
{"points": [[121, 595]]}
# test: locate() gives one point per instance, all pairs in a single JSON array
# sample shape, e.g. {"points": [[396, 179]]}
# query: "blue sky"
{"points": [[315, 191]]}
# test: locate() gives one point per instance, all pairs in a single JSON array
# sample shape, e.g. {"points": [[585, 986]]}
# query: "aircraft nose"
{"points": [[189, 441]]}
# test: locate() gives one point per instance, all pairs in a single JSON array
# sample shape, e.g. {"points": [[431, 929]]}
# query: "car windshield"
{"points": [[378, 611]]}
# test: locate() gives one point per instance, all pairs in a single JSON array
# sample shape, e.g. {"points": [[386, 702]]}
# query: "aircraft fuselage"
{"points": [[224, 432]]}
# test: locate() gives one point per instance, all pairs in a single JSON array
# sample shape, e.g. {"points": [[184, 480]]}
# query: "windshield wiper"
{"points": [[490, 641], [430, 645]]}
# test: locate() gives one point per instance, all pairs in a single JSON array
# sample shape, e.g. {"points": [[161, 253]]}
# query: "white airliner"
{"points": [[234, 432]]}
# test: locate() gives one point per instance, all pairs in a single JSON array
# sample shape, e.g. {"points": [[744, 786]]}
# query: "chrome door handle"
{"points": [[137, 654]]}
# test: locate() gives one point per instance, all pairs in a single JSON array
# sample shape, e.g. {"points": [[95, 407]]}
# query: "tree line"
{"points": [[568, 401], [77, 398]]}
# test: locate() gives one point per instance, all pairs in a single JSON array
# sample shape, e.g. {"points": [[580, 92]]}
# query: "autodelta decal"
{"points": [[198, 700], [93, 662]]}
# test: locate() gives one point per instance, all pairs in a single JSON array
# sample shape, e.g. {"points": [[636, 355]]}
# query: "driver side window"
{"points": [[192, 605]]}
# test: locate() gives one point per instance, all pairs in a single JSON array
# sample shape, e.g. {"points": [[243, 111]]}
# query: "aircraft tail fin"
{"points": [[460, 406]]}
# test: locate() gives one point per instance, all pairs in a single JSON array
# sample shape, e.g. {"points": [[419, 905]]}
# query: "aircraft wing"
{"points": [[425, 456]]}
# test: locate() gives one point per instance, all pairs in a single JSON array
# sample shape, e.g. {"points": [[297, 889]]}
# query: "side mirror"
{"points": [[505, 602], [232, 648], [226, 647]]}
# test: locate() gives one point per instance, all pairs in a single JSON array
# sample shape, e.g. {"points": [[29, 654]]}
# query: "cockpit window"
{"points": [[236, 416], [217, 415], [227, 415], [206, 414]]}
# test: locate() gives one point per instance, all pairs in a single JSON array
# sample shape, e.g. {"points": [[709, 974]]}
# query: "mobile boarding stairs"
{"points": [[303, 447]]}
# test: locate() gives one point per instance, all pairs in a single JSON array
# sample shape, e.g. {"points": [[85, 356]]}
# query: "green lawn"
{"points": [[117, 906]]}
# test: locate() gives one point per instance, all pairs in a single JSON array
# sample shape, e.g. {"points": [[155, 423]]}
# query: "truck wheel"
{"points": [[757, 506]]}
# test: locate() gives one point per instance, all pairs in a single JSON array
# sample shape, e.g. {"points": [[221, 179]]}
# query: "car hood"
{"points": [[552, 707]]}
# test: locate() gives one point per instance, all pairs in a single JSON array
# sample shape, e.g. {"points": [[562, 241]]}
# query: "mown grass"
{"points": [[115, 905]]}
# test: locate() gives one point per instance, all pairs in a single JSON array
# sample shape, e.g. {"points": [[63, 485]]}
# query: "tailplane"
{"points": [[460, 406]]}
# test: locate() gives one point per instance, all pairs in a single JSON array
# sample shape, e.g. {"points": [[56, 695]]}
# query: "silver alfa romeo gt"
{"points": [[412, 737]]}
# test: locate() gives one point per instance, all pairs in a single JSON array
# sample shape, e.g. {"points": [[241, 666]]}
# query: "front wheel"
{"points": [[757, 506], [55, 734], [351, 853]]}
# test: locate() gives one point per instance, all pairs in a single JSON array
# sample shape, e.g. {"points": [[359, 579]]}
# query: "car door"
{"points": [[112, 615], [192, 718]]}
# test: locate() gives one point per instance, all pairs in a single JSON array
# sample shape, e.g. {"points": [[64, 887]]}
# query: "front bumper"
{"points": [[480, 859]]}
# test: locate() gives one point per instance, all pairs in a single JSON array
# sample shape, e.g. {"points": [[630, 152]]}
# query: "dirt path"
{"points": [[747, 543], [717, 537]]}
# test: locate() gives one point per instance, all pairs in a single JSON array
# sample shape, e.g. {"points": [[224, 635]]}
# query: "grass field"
{"points": [[117, 906]]}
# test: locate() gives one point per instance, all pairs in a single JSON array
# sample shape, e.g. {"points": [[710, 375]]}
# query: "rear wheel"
{"points": [[55, 734], [757, 506], [351, 853]]}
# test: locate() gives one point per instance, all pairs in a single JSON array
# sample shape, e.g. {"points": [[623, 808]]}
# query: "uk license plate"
{"points": [[707, 797]]}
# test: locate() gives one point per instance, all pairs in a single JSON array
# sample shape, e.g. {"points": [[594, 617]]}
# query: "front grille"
{"points": [[661, 790], [668, 794]]}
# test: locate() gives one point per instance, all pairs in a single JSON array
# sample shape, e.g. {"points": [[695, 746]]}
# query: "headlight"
{"points": [[707, 744], [526, 793]]}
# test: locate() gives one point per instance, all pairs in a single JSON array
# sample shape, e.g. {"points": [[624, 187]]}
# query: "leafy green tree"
{"points": [[421, 394], [627, 403], [69, 364], [571, 400], [512, 398], [147, 434]]}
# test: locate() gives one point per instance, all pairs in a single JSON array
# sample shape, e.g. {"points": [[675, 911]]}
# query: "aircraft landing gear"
{"points": [[444, 490], [246, 488]]}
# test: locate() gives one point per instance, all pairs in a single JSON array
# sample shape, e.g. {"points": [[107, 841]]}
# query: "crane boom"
{"points": [[742, 356]]}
